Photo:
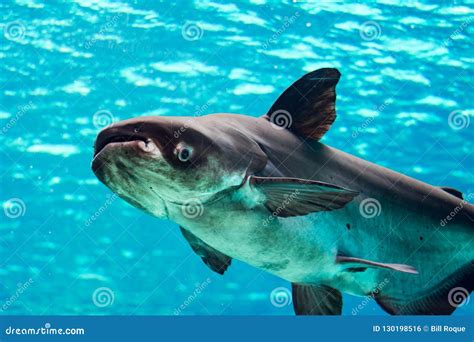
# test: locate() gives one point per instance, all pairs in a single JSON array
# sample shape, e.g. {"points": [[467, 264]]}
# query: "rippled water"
{"points": [[70, 68]]}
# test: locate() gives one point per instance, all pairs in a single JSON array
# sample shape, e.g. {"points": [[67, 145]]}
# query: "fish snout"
{"points": [[117, 134], [128, 140]]}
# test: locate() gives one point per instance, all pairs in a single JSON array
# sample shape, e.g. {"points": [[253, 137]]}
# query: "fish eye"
{"points": [[184, 153]]}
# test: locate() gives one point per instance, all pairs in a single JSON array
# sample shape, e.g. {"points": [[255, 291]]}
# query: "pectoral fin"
{"points": [[215, 260], [356, 262], [293, 196], [316, 300]]}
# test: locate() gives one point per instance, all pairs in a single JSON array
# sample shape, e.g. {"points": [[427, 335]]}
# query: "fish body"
{"points": [[267, 192]]}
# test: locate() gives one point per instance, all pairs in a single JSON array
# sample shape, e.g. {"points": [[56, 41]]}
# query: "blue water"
{"points": [[68, 69]]}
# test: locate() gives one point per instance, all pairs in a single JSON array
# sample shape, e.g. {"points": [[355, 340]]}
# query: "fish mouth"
{"points": [[124, 139], [113, 139]]}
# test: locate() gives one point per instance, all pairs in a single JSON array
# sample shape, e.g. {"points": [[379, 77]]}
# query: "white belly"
{"points": [[294, 248]]}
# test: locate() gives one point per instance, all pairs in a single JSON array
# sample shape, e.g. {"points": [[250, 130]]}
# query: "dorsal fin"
{"points": [[452, 191], [307, 107]]}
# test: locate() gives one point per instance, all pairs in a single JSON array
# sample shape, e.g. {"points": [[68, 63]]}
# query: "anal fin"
{"points": [[441, 299], [316, 300]]}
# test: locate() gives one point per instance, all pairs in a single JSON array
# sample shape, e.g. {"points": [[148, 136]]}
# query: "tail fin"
{"points": [[442, 299]]}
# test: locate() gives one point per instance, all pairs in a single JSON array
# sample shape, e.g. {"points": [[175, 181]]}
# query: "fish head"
{"points": [[153, 161]]}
